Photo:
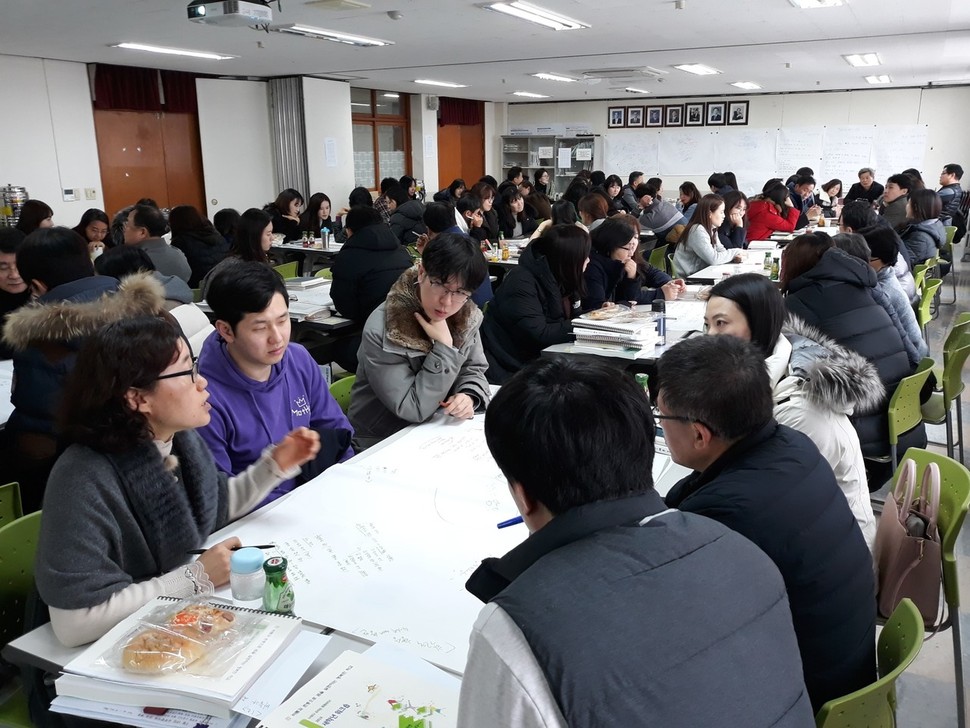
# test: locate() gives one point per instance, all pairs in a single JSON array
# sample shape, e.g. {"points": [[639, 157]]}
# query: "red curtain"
{"points": [[179, 88], [463, 112], [121, 87]]}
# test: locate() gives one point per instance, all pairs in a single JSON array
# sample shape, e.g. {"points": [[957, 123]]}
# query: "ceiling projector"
{"points": [[229, 12]]}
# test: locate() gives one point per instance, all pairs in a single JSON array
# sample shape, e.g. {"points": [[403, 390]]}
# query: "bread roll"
{"points": [[181, 641]]}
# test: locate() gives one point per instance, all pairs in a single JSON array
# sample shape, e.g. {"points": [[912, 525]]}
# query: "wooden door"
{"points": [[461, 154], [183, 160], [132, 157], [473, 152]]}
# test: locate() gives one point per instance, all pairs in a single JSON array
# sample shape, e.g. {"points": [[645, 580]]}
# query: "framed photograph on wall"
{"points": [[694, 114], [738, 113], [655, 116], [617, 118], [634, 117], [674, 115], [716, 113]]}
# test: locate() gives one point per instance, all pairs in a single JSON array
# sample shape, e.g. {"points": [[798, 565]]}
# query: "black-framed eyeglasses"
{"points": [[193, 372], [676, 418], [440, 289]]}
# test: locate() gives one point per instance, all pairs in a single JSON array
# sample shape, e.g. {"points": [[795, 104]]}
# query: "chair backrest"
{"points": [[951, 232], [875, 705], [923, 315], [953, 372], [288, 270], [904, 405], [340, 390], [658, 258], [18, 542], [324, 273], [955, 336], [671, 268], [919, 273], [954, 502], [11, 507]]}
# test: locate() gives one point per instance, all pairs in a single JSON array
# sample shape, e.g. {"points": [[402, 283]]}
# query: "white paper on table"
{"points": [[133, 716], [565, 157], [408, 662], [330, 150], [272, 687]]}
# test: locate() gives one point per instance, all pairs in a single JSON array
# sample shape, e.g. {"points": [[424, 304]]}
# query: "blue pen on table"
{"points": [[511, 522]]}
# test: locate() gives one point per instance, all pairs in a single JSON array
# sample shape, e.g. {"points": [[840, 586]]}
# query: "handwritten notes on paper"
{"points": [[688, 151]]}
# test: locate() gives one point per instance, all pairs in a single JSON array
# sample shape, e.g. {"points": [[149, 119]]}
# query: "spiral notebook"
{"points": [[92, 676]]}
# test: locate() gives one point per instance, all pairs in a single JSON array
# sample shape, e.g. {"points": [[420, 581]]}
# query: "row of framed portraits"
{"points": [[710, 113]]}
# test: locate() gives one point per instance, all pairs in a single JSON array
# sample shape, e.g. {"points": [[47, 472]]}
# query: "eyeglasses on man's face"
{"points": [[193, 372], [440, 289]]}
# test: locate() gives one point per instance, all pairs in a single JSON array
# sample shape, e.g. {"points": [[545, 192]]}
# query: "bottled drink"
{"points": [[775, 269], [307, 239], [767, 261], [278, 593]]}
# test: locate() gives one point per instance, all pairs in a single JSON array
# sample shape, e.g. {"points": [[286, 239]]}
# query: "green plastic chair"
{"points": [[923, 314], [11, 507], [658, 258], [919, 273], [671, 268], [954, 339], [324, 273], [904, 410], [936, 410], [340, 390], [288, 270], [196, 295], [954, 503], [18, 542], [874, 706]]}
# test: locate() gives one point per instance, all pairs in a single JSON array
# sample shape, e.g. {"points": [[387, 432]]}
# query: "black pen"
{"points": [[196, 552]]}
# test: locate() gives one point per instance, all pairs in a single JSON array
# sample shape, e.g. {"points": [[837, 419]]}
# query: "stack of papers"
{"points": [[618, 330], [301, 284]]}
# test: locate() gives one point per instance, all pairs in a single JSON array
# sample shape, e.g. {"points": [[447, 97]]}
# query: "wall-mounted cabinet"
{"points": [[562, 157]]}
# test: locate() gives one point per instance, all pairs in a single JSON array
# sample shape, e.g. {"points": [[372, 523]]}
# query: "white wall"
{"points": [[49, 140], [496, 124], [943, 110], [234, 133], [424, 156], [326, 106]]}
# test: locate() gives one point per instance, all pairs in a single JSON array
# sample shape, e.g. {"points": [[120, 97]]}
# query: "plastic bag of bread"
{"points": [[193, 635]]}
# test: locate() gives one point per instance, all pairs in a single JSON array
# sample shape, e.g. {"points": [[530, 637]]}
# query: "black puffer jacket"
{"points": [[365, 269], [835, 297], [407, 219], [203, 250], [923, 239]]}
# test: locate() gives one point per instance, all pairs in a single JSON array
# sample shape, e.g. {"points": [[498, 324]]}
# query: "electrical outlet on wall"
{"points": [[90, 193]]}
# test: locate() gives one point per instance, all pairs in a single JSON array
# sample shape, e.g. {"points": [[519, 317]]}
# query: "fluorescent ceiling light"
{"points": [[529, 95], [535, 14], [173, 51], [859, 60], [554, 77], [698, 69], [308, 31], [876, 80], [391, 96], [446, 84], [746, 85], [632, 90], [809, 4], [359, 103]]}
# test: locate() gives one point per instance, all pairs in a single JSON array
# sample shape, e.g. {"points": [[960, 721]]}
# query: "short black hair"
{"points": [[858, 214], [564, 461], [150, 218], [954, 169], [32, 214], [54, 256], [597, 178], [804, 179], [242, 288], [718, 381], [854, 244], [611, 234], [362, 216], [225, 221], [642, 190], [360, 196], [439, 216], [123, 261], [513, 173], [489, 180], [10, 240], [902, 180], [883, 243], [451, 255], [468, 203], [655, 182], [387, 183], [716, 180], [805, 171], [761, 303], [634, 176], [398, 194]]}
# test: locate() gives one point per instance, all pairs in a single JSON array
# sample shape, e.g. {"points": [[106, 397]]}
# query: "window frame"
{"points": [[374, 120]]}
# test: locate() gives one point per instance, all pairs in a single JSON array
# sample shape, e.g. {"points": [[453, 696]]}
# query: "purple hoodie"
{"points": [[248, 415]]}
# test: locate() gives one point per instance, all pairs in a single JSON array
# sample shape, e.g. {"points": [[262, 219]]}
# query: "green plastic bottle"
{"points": [[278, 593]]}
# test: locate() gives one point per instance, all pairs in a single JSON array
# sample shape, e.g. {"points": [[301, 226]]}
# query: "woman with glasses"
{"points": [[137, 488], [617, 273], [699, 246], [816, 383], [420, 349]]}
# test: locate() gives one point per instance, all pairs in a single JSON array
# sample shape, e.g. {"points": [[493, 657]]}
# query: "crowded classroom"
{"points": [[688, 326]]}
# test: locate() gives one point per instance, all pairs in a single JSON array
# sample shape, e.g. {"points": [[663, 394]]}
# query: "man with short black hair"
{"points": [[145, 227], [719, 184], [895, 196], [383, 204], [514, 176], [615, 611], [421, 349], [951, 196], [656, 214], [769, 483], [262, 386], [628, 197], [801, 192]]}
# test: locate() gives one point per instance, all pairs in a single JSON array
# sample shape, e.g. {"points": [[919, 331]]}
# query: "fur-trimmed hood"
{"points": [[402, 328], [81, 314], [826, 373]]}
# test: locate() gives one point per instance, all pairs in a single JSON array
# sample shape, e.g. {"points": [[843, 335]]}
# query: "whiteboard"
{"points": [[687, 151], [847, 150], [749, 153], [798, 146], [630, 150], [898, 147]]}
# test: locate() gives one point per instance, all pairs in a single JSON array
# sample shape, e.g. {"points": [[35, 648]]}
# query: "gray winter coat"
{"points": [[402, 376], [924, 239]]}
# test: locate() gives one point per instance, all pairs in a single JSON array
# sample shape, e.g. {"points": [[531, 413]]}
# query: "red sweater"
{"points": [[763, 220]]}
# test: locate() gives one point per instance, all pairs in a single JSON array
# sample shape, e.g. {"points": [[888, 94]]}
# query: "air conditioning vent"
{"points": [[615, 73]]}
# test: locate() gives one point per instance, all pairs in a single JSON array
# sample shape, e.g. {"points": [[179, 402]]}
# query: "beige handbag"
{"points": [[907, 549]]}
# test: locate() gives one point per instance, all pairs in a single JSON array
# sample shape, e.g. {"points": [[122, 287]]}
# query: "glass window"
{"points": [[360, 101], [388, 103], [390, 147], [364, 171]]}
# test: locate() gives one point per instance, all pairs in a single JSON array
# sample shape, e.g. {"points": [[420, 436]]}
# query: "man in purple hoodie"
{"points": [[261, 386]]}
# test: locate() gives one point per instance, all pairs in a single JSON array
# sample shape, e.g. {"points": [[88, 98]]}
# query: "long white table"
{"points": [[310, 254]]}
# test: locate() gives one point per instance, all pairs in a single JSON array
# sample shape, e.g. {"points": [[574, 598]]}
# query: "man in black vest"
{"points": [[770, 484], [616, 611]]}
